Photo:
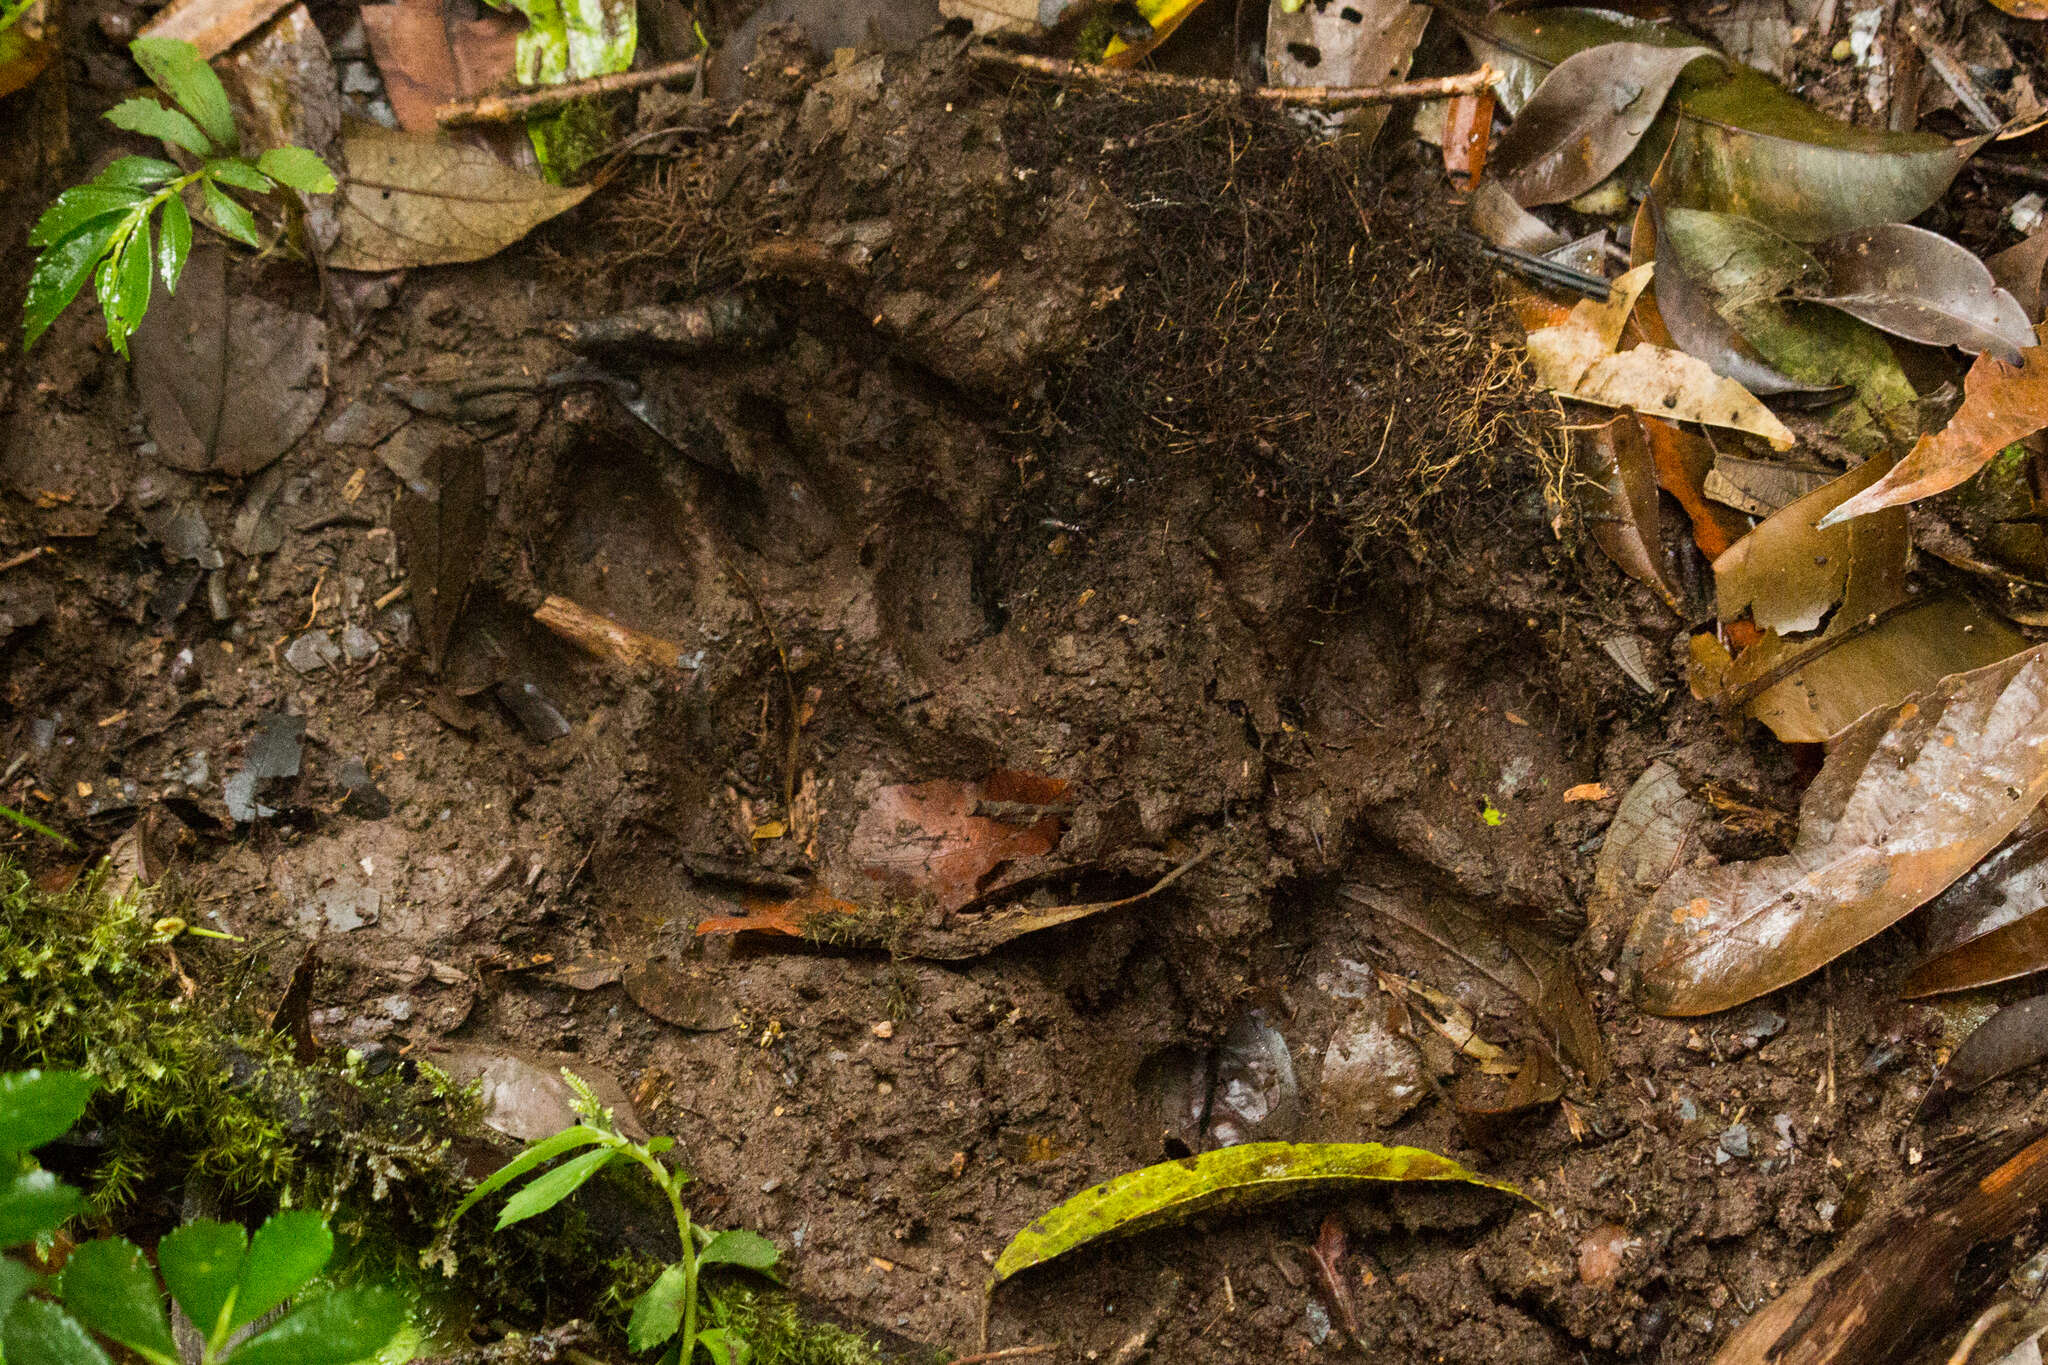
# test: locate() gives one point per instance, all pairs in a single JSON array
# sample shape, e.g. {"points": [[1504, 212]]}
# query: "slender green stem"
{"points": [[673, 1188]]}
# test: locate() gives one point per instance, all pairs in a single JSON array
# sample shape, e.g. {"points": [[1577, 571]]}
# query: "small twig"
{"points": [[1007, 1353], [1988, 1319], [606, 638], [16, 561], [2014, 170], [511, 108], [1300, 96]]}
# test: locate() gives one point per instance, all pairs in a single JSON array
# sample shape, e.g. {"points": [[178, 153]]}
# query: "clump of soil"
{"points": [[1162, 451]]}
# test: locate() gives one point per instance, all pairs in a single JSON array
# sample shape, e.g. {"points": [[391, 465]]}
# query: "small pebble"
{"points": [[1842, 50], [885, 1029], [117, 26], [358, 644], [1734, 1144], [312, 652]]}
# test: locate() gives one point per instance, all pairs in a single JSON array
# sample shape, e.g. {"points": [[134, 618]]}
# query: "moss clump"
{"points": [[780, 1335]]}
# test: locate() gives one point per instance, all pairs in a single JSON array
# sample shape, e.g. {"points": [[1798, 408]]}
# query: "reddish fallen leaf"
{"points": [[924, 838], [1587, 791], [427, 61], [1616, 492], [1468, 127], [2001, 404], [766, 916], [1909, 799]]}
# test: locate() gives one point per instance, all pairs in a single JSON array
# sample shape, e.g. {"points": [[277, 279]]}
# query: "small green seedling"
{"points": [[104, 229], [667, 1313], [224, 1279]]}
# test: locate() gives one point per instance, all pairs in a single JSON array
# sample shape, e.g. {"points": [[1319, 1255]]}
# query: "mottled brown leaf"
{"points": [[1987, 927], [1910, 798], [1586, 117], [1919, 285]]}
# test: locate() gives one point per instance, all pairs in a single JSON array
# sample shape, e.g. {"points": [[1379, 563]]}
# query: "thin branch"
{"points": [[1289, 96], [511, 108]]}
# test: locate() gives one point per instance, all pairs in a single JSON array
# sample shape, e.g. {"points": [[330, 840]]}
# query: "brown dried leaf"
{"points": [[427, 60], [413, 199], [2019, 271], [2010, 1040], [1918, 284], [226, 384], [1586, 117], [440, 523], [1510, 957], [924, 839], [2001, 404], [1616, 493], [1684, 458], [1987, 927], [1910, 798], [1761, 487], [1788, 574], [1695, 325], [1362, 42]]}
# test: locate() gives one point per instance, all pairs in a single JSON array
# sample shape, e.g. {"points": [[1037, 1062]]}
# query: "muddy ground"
{"points": [[1058, 457]]}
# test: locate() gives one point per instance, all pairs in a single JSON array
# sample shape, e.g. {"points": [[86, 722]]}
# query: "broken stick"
{"points": [[1289, 96], [606, 638], [512, 108]]}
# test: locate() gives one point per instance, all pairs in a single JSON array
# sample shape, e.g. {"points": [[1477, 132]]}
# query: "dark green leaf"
{"points": [[108, 1287], [228, 216], [123, 284], [136, 172], [147, 117], [548, 1190], [738, 1246], [36, 1106], [202, 1263], [16, 1279], [334, 1329], [286, 1253], [174, 242], [78, 206], [243, 175], [176, 68], [658, 1313], [539, 1154], [33, 1203], [41, 1333], [297, 167]]}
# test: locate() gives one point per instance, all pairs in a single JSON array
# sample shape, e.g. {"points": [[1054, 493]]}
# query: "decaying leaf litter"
{"points": [[1145, 446]]}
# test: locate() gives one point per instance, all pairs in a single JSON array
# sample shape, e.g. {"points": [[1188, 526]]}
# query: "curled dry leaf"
{"points": [[1874, 844], [414, 199], [1588, 115], [1919, 285], [1987, 927], [2001, 404], [1616, 493], [227, 384], [1231, 1178]]}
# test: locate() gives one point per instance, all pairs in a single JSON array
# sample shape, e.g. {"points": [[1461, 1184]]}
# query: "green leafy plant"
{"points": [[131, 222], [227, 1282], [667, 1313]]}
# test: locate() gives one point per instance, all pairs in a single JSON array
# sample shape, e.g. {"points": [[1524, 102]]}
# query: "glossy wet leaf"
{"points": [[1987, 927], [39, 1105], [1517, 961], [201, 1263], [111, 1290], [337, 1328], [150, 119], [40, 1333], [1654, 832], [135, 173], [227, 216], [416, 199], [33, 1203], [2014, 1038], [285, 1254], [1792, 570], [2001, 404], [1614, 487], [1909, 799], [1230, 1178], [1919, 285], [1523, 46], [227, 383], [176, 68], [1591, 111], [740, 1247], [1737, 260], [16, 1280], [174, 242]]}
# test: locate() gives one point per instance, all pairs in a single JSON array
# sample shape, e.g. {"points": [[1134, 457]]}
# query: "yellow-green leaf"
{"points": [[1232, 1178]]}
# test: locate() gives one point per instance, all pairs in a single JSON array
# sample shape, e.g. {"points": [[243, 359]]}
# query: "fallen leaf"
{"points": [[1615, 490], [2001, 404], [687, 997], [428, 57], [787, 917], [441, 523], [1361, 42], [1904, 1274], [227, 384], [1792, 570], [2011, 1040], [1986, 928], [2019, 270], [1587, 116], [1919, 285], [1695, 323], [1761, 487], [1654, 832], [1909, 799], [25, 48], [1809, 690], [1468, 131], [1683, 459], [284, 91], [1496, 216], [411, 199], [1737, 260], [1587, 791], [1164, 15], [1231, 1178], [924, 839], [957, 938], [1512, 958]]}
